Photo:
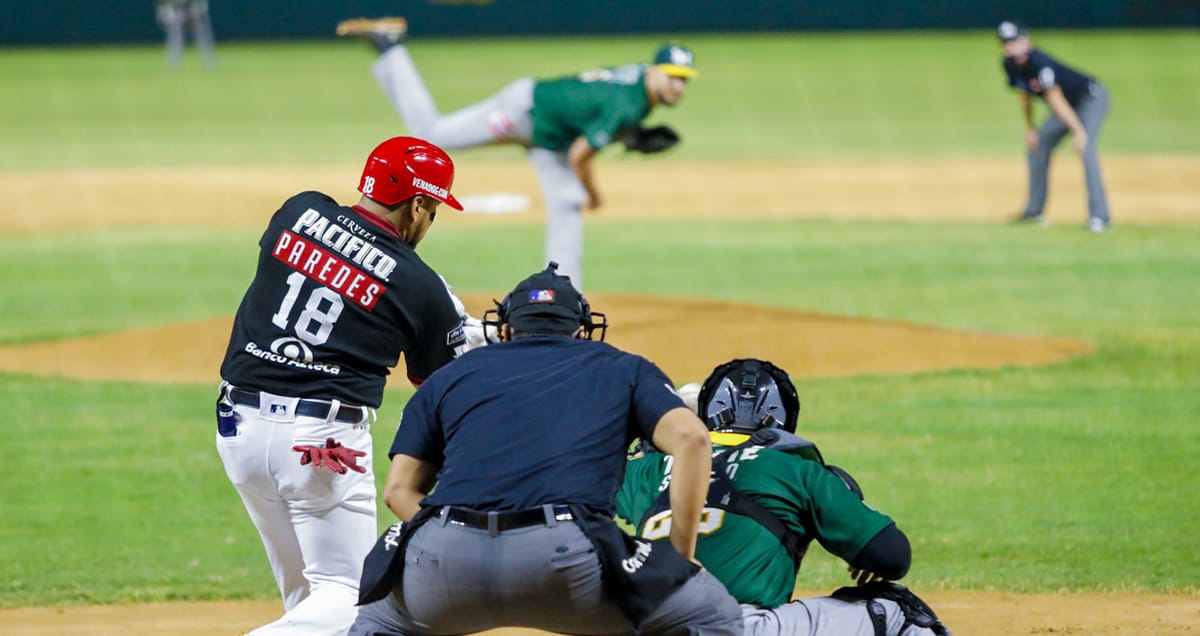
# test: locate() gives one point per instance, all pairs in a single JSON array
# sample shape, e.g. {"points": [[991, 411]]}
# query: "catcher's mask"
{"points": [[746, 394], [546, 303], [403, 167]]}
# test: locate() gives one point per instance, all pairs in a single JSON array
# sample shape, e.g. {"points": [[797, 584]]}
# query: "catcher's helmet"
{"points": [[746, 394], [403, 167], [546, 303]]}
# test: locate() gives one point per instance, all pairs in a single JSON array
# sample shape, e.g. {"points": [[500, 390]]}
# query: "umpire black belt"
{"points": [[307, 408], [495, 522]]}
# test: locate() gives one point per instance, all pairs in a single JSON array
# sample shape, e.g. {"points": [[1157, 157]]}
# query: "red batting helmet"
{"points": [[403, 167]]}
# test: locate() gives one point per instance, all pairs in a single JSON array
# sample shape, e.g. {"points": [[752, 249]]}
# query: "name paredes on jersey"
{"points": [[339, 273]]}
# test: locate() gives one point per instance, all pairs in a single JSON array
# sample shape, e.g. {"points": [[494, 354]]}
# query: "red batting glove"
{"points": [[319, 457], [342, 457], [307, 453]]}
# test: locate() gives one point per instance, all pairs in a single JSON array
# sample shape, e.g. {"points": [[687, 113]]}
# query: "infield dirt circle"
{"points": [[808, 343]]}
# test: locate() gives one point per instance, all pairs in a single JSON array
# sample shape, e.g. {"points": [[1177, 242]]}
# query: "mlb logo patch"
{"points": [[279, 409], [541, 296]]}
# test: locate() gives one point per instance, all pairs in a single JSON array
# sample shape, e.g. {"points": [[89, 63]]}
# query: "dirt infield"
{"points": [[966, 613], [806, 343], [1142, 190]]}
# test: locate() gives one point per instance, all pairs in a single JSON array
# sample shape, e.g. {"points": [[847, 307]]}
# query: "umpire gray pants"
{"points": [[1091, 112], [460, 580]]}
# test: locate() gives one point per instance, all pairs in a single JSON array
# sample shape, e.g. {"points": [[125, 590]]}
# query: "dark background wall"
{"points": [[59, 22]]}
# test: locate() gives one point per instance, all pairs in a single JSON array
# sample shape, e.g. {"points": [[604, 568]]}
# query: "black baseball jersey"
{"points": [[337, 297], [533, 421], [1041, 72]]}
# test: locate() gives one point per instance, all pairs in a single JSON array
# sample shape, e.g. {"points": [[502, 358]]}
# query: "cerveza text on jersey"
{"points": [[345, 242]]}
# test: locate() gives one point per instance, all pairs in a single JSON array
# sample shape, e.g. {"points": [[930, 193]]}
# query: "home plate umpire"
{"points": [[525, 440]]}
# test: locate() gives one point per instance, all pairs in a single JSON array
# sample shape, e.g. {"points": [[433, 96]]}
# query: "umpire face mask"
{"points": [[547, 304]]}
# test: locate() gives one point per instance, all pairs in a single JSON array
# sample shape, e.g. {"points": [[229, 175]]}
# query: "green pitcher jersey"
{"points": [[809, 499], [601, 105]]}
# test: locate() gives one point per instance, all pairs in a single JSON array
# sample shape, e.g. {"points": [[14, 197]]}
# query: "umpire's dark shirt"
{"points": [[1041, 72], [533, 421]]}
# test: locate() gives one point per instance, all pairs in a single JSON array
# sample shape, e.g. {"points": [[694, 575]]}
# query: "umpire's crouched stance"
{"points": [[526, 443]]}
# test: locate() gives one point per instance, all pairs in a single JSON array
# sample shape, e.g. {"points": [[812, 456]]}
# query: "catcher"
{"points": [[771, 495]]}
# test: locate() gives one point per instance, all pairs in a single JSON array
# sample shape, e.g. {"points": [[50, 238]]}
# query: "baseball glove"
{"points": [[651, 140]]}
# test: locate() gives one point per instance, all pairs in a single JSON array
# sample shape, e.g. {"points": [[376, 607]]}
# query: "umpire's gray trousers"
{"points": [[1092, 110], [459, 580]]}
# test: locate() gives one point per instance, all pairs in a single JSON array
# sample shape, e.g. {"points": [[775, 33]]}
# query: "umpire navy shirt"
{"points": [[532, 421], [1041, 72]]}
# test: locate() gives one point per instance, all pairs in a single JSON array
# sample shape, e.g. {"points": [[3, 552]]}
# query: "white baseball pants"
{"points": [[317, 526]]}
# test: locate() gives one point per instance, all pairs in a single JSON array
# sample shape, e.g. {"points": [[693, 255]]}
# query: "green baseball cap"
{"points": [[676, 60]]}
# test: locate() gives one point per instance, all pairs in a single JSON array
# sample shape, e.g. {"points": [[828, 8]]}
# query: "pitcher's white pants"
{"points": [[503, 118]]}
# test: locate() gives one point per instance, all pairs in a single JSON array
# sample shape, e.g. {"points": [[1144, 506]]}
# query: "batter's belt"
{"points": [[319, 409]]}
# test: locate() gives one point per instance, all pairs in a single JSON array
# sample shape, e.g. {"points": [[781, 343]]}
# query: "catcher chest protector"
{"points": [[403, 167]]}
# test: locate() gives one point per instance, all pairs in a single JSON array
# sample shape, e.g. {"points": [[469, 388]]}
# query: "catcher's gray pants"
{"points": [[824, 616], [460, 580], [1091, 112], [503, 118]]}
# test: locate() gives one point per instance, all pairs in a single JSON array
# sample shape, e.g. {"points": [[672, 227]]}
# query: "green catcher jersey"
{"points": [[601, 105], [752, 563]]}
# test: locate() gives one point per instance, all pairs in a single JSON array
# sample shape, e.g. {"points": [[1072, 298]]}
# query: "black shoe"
{"points": [[382, 33]]}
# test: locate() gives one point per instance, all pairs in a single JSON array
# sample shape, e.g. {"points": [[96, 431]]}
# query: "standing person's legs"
{"points": [[501, 118], [1050, 133], [1092, 112], [202, 32], [172, 17], [564, 198]]}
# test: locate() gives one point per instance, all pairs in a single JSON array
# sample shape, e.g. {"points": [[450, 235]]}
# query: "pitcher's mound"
{"points": [[685, 337]]}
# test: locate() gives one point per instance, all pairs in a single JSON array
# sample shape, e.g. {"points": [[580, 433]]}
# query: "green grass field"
{"points": [[1074, 476]]}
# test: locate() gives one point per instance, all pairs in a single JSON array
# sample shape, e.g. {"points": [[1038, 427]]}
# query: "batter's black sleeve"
{"points": [[888, 554], [439, 331]]}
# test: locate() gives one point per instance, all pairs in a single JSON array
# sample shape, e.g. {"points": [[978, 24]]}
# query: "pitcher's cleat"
{"points": [[382, 33]]}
